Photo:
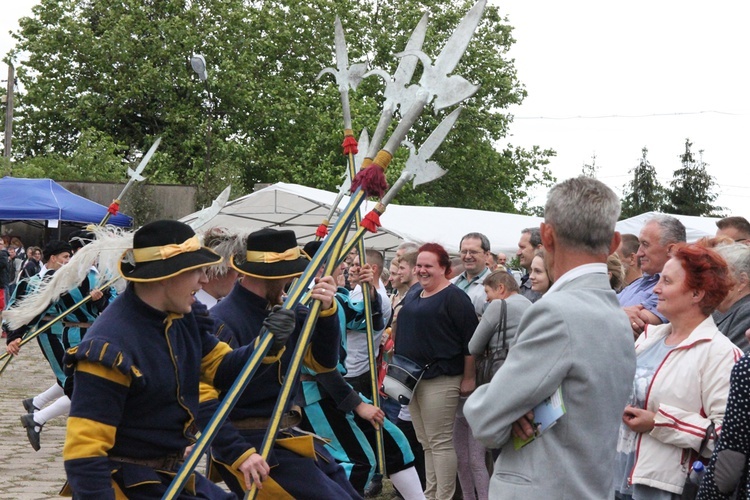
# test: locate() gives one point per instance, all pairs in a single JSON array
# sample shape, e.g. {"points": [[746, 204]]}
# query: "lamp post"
{"points": [[9, 111], [198, 63]]}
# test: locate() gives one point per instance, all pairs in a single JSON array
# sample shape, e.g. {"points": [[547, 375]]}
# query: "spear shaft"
{"points": [[6, 357]]}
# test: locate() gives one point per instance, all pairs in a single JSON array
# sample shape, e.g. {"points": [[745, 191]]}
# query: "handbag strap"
{"points": [[502, 325], [504, 322], [710, 433]]}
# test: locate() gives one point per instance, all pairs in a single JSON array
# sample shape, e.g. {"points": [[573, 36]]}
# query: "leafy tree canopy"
{"points": [[104, 78]]}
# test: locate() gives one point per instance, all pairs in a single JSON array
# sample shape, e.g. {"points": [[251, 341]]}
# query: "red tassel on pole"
{"points": [[372, 178], [114, 207], [322, 231], [371, 222], [350, 145]]}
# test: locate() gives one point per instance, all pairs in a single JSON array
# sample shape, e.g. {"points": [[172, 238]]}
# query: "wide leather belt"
{"points": [[170, 462], [289, 419]]}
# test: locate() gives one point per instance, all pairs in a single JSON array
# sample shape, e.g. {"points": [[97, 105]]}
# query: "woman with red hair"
{"points": [[681, 381], [435, 325]]}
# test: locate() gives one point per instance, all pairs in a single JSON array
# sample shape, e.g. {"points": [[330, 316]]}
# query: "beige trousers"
{"points": [[433, 410]]}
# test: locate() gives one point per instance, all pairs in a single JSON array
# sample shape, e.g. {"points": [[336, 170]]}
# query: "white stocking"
{"points": [[46, 397], [59, 407], [407, 483]]}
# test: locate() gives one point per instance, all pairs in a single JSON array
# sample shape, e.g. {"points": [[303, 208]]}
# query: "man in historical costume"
{"points": [[300, 466], [136, 374], [221, 277], [61, 336]]}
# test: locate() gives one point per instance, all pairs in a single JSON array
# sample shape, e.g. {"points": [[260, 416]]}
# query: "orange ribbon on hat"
{"points": [[271, 257], [150, 254]]}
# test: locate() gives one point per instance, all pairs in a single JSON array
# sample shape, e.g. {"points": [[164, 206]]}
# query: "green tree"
{"points": [[692, 188], [591, 169], [644, 193], [121, 68]]}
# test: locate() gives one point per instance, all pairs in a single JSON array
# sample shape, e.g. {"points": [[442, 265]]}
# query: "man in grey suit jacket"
{"points": [[576, 337]]}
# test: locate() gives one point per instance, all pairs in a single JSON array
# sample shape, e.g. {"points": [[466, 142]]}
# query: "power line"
{"points": [[597, 117]]}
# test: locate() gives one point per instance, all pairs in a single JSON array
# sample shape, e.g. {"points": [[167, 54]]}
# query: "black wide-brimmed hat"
{"points": [[271, 254], [163, 249]]}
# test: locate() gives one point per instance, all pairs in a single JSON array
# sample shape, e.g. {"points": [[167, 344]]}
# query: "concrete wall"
{"points": [[143, 202]]}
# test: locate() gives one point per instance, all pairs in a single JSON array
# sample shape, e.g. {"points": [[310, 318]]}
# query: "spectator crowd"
{"points": [[589, 365]]}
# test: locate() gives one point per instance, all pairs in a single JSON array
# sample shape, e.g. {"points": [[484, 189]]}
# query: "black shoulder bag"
{"points": [[490, 361], [690, 490]]}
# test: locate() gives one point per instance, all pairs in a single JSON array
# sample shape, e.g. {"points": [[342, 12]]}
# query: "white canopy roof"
{"points": [[302, 209]]}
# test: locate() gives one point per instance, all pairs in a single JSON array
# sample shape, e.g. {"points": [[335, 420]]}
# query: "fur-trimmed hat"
{"points": [[163, 249], [271, 254]]}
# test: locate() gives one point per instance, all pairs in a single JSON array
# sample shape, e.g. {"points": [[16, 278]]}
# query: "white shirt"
{"points": [[205, 298], [577, 272]]}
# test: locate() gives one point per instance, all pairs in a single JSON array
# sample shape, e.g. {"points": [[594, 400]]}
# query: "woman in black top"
{"points": [[435, 325]]}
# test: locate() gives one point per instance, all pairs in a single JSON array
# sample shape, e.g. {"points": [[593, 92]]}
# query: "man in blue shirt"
{"points": [[657, 237]]}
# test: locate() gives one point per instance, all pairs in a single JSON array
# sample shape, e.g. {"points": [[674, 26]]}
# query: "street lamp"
{"points": [[198, 63]]}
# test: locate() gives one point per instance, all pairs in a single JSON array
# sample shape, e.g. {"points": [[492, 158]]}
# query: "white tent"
{"points": [[697, 227], [302, 209]]}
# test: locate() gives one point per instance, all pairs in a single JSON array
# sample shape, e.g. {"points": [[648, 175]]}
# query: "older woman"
{"points": [[681, 381], [733, 315], [434, 327], [539, 275]]}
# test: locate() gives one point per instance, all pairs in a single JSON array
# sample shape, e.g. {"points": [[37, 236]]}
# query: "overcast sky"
{"points": [[607, 79]]}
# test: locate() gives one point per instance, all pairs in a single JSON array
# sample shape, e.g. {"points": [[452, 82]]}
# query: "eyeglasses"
{"points": [[471, 252]]}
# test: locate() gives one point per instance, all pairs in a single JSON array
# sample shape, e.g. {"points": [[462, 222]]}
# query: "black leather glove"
{"points": [[205, 322], [281, 323]]}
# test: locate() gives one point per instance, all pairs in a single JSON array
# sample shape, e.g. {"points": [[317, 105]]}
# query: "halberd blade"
{"points": [[417, 164]]}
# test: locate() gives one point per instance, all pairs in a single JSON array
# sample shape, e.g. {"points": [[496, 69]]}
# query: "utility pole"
{"points": [[9, 111], [198, 63]]}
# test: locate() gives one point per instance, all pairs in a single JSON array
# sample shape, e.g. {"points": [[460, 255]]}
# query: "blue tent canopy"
{"points": [[44, 199]]}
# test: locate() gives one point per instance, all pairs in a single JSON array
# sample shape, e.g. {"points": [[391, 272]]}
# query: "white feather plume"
{"points": [[104, 253], [226, 242]]}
